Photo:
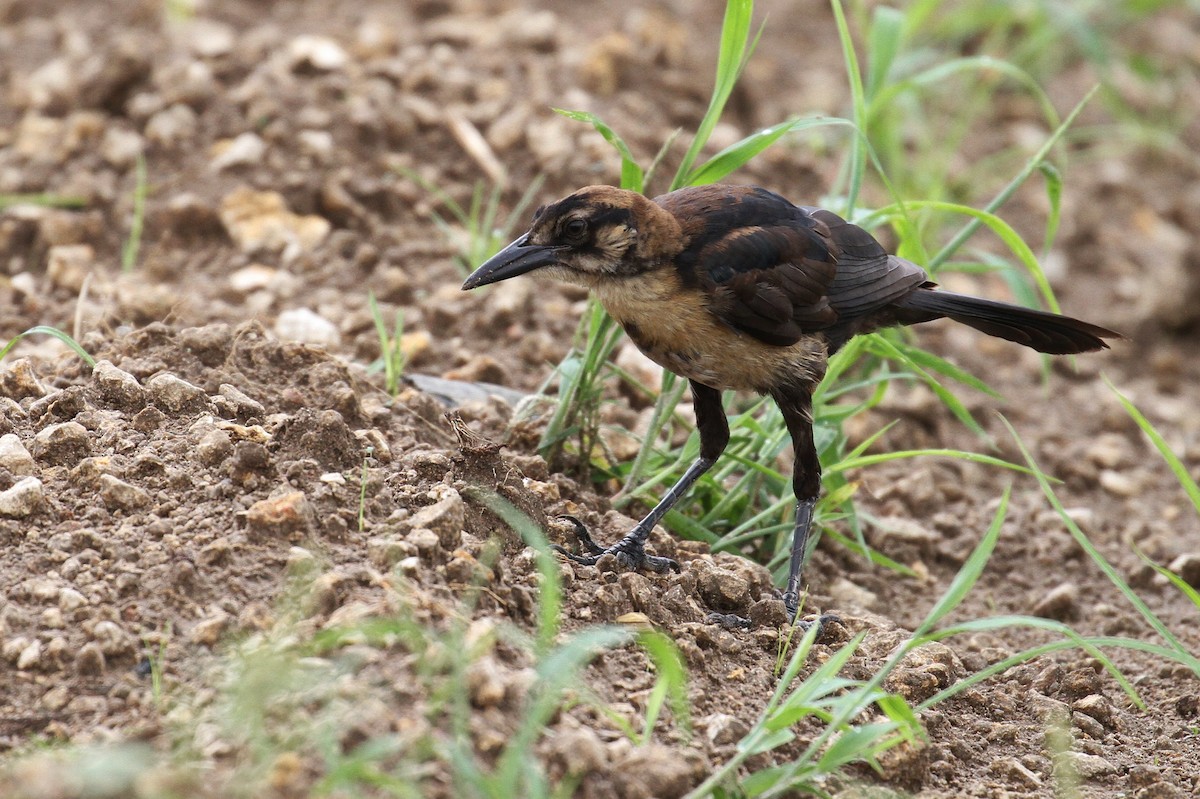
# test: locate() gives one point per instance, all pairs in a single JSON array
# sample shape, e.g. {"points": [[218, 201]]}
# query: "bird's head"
{"points": [[596, 235]]}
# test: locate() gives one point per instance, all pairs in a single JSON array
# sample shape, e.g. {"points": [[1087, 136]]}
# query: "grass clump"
{"points": [[392, 355]]}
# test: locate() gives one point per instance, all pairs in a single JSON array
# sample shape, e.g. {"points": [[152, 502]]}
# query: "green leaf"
{"points": [[632, 176]]}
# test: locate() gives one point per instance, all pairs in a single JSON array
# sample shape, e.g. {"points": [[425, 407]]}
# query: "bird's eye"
{"points": [[575, 229]]}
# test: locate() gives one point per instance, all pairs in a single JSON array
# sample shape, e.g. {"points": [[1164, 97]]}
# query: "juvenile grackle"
{"points": [[734, 287]]}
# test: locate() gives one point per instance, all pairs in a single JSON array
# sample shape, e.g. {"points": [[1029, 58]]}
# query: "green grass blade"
{"points": [[737, 155], [43, 199], [133, 244], [1175, 580], [49, 331], [1043, 152], [1006, 234], [859, 104], [632, 176], [735, 48], [1177, 466]]}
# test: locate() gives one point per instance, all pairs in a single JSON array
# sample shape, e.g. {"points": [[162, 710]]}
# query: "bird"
{"points": [[736, 287]]}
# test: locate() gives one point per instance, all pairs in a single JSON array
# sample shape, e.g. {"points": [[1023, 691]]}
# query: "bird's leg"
{"points": [[806, 482], [630, 551], [791, 596]]}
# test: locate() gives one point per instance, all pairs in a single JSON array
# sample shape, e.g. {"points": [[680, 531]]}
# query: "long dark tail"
{"points": [[1043, 331]]}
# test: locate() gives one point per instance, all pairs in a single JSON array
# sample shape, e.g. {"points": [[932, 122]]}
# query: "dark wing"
{"points": [[777, 271], [868, 278], [764, 263]]}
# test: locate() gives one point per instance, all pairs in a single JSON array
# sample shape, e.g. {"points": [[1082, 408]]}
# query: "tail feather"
{"points": [[1043, 331]]}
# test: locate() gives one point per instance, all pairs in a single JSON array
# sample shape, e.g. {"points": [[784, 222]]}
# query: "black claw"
{"points": [[824, 623], [730, 621], [629, 551], [582, 535]]}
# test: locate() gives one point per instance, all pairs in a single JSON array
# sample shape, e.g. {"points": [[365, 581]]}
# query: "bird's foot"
{"points": [[730, 621], [791, 604], [630, 551], [826, 624]]}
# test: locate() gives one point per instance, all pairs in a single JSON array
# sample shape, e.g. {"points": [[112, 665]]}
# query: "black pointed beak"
{"points": [[515, 259]]}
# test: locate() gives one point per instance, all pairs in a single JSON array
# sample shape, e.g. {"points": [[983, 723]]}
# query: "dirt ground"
{"points": [[155, 506]]}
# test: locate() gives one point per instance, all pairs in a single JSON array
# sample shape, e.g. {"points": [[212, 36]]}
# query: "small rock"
{"points": [[215, 552], [577, 751], [426, 542], [1088, 726], [318, 143], [91, 705], [208, 37], [721, 589], [21, 498], [69, 599], [1081, 682], [1013, 771], [214, 447], [120, 147], [260, 220], [117, 388], [56, 698], [13, 648], [58, 406], [316, 52], [906, 531], [723, 729], [208, 631], [90, 661], [386, 551], [14, 456], [446, 518], [172, 126], [658, 771], [309, 327], [175, 395], [111, 639], [485, 682], [1187, 566], [328, 592], [119, 495], [254, 277], [247, 149], [62, 444], [1108, 451], [68, 264], [191, 217], [924, 671], [30, 656], [1060, 603], [1096, 706], [1089, 767], [19, 381], [300, 561], [286, 514], [245, 406], [1119, 484], [629, 358]]}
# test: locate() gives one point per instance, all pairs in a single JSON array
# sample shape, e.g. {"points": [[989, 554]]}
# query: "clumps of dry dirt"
{"points": [[166, 504]]}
